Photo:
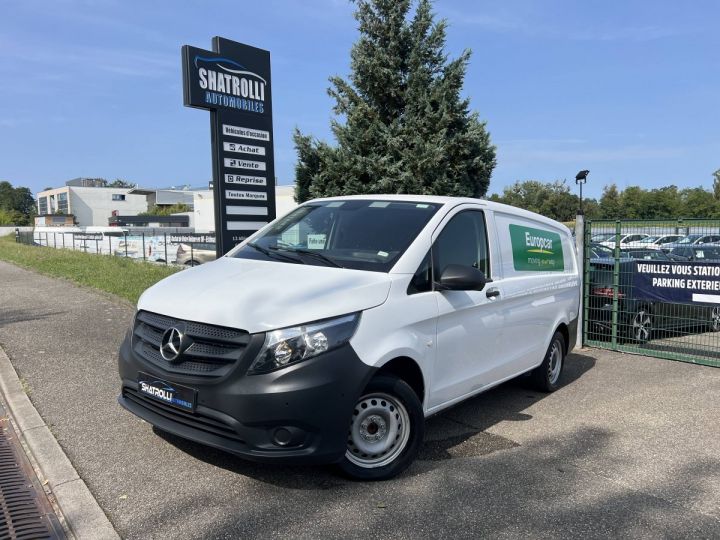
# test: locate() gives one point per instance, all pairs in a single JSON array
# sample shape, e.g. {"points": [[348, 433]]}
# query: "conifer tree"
{"points": [[402, 125]]}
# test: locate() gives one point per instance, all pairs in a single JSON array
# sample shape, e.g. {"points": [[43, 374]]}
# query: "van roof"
{"points": [[451, 201]]}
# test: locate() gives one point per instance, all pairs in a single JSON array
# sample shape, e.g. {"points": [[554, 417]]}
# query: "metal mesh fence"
{"points": [[180, 248], [653, 287]]}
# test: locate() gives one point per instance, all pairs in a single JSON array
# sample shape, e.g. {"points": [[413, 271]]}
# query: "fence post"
{"points": [[580, 257], [143, 245], [47, 244], [192, 255], [125, 235], [109, 245], [616, 285], [55, 240], [63, 237], [165, 244]]}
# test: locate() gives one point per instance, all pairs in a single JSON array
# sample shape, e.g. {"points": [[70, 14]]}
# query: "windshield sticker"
{"points": [[383, 253], [379, 204], [536, 250], [316, 241]]}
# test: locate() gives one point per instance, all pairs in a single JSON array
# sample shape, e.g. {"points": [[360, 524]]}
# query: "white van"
{"points": [[333, 332], [103, 240], [58, 237]]}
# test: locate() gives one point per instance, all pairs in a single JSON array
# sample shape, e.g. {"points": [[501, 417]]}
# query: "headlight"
{"points": [[291, 345]]}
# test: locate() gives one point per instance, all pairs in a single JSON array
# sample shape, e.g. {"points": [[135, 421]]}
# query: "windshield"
{"points": [[648, 240], [648, 254], [689, 239], [603, 237], [600, 251], [358, 234]]}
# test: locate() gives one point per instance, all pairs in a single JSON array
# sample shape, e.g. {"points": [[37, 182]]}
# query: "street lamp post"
{"points": [[580, 179]]}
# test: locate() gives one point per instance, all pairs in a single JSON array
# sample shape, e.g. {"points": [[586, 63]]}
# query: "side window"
{"points": [[462, 241]]}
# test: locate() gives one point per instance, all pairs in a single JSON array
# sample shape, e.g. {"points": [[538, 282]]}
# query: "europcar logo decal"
{"points": [[536, 250], [229, 84], [538, 244]]}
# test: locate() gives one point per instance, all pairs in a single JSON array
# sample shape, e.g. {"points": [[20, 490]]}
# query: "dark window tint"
{"points": [[462, 241], [422, 280]]}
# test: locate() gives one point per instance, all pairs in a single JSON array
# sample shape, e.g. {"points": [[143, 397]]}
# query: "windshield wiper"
{"points": [[272, 255], [316, 254]]}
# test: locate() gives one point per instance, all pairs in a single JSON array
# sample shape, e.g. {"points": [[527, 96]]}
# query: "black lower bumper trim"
{"points": [[298, 414]]}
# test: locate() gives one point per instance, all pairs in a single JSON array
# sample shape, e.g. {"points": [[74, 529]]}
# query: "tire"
{"points": [[386, 430], [546, 377], [192, 262], [640, 328]]}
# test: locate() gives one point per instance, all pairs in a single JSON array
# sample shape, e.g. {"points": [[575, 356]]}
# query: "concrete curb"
{"points": [[82, 514]]}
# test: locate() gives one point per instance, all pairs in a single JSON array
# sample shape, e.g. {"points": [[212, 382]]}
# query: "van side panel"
{"points": [[540, 284], [404, 326]]}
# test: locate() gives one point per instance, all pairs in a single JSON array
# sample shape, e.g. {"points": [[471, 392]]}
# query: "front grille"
{"points": [[194, 420], [213, 353]]}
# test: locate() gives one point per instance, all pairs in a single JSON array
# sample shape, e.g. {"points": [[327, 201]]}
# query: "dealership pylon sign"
{"points": [[233, 82]]}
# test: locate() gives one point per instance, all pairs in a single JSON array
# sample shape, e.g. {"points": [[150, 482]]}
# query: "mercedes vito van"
{"points": [[333, 332]]}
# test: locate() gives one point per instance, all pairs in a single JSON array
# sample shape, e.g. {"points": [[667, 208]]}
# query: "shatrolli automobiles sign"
{"points": [[233, 82]]}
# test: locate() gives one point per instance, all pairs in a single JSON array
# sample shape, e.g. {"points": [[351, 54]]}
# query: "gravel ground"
{"points": [[629, 447]]}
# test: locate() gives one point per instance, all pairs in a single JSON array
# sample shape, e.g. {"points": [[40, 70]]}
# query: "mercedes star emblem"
{"points": [[171, 344]]}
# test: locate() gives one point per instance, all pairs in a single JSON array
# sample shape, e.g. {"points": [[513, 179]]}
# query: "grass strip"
{"points": [[122, 277]]}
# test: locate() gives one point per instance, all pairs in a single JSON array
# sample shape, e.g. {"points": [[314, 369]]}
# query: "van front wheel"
{"points": [[546, 377], [385, 431]]}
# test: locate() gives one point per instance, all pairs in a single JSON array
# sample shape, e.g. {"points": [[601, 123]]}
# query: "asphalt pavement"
{"points": [[629, 447]]}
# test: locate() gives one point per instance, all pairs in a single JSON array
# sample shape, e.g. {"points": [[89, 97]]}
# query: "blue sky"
{"points": [[627, 89]]}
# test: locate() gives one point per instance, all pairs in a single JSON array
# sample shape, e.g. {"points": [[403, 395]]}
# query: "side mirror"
{"points": [[458, 277]]}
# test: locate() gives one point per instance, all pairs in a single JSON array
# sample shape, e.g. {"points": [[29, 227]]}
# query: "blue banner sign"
{"points": [[678, 282]]}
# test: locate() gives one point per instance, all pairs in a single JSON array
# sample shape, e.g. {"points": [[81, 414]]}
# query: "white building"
{"points": [[91, 205], [204, 208]]}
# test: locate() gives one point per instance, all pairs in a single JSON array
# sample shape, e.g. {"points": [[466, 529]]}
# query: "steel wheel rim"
{"points": [[555, 364], [642, 325], [379, 430], [715, 316]]}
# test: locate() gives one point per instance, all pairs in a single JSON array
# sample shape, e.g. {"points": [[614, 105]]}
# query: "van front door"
{"points": [[469, 329]]}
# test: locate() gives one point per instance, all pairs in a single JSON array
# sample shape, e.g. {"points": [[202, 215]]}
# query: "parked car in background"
{"points": [[599, 251], [703, 252], [653, 242], [692, 240], [55, 236], [198, 253], [648, 255], [146, 247], [608, 239]]}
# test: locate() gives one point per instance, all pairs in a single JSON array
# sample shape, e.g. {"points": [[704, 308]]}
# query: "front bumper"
{"points": [[299, 414]]}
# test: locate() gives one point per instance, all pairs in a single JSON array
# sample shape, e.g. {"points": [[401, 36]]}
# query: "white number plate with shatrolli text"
{"points": [[169, 393]]}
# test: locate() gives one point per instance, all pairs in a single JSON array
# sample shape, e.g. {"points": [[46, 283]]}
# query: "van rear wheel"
{"points": [[385, 431], [546, 377]]}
